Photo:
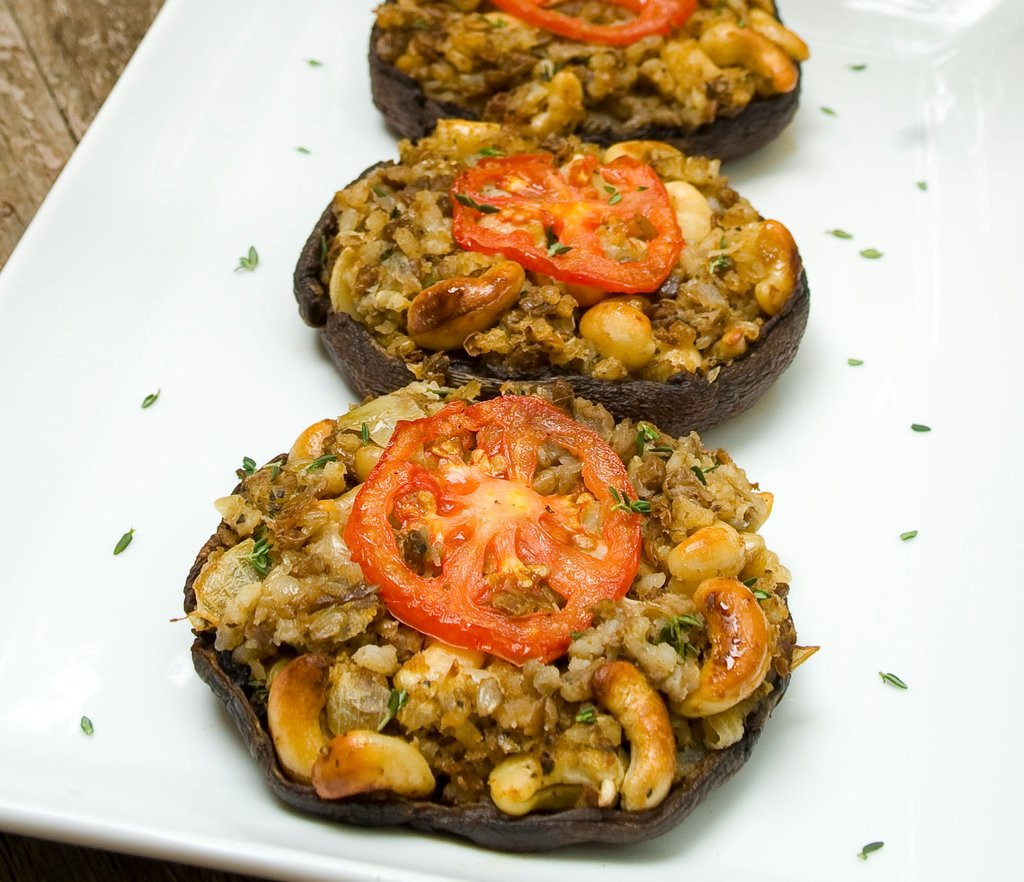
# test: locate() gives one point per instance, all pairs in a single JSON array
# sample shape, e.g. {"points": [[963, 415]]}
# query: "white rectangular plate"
{"points": [[125, 284]]}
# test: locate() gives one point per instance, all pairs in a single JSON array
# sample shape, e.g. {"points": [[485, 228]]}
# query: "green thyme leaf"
{"points": [[491, 151], [86, 725], [364, 433], [858, 67], [854, 362], [587, 714], [549, 70], [674, 633], [871, 253], [576, 634], [616, 196], [312, 62], [124, 541], [305, 151], [249, 262], [922, 185], [150, 399], [396, 701], [919, 427], [867, 849], [699, 472], [554, 246], [624, 503], [323, 250], [910, 534], [380, 191], [751, 582], [275, 470], [760, 594], [248, 467], [470, 202], [720, 263], [828, 111], [840, 234], [644, 436], [258, 693], [320, 462], [893, 680], [259, 557]]}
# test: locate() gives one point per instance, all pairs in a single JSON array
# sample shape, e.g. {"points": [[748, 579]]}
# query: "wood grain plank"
{"points": [[82, 46], [58, 61], [35, 142], [23, 858]]}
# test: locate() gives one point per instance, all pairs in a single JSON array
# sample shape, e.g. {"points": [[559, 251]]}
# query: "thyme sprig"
{"points": [[396, 701], [624, 503]]}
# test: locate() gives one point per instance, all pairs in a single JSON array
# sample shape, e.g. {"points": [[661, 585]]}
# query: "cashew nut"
{"points": [[294, 703], [310, 444], [769, 26], [444, 315], [777, 264], [618, 329], [519, 785], [361, 761], [693, 212], [733, 342], [342, 284], [630, 698], [727, 44], [716, 550], [740, 654], [645, 151]]}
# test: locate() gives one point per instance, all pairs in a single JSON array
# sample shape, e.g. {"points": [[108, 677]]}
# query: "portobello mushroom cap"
{"points": [[685, 402], [405, 106], [482, 823]]}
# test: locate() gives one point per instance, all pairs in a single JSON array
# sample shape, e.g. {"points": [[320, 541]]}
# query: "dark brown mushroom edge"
{"points": [[302, 650], [702, 348], [724, 84]]}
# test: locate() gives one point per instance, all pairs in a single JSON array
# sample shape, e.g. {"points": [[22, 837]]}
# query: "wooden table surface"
{"points": [[58, 61]]}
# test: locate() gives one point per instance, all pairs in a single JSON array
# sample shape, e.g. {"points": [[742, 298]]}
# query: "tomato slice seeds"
{"points": [[464, 549]]}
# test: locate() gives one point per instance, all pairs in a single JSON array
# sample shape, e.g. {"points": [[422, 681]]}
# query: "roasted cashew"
{"points": [[310, 444], [727, 44], [342, 283], [627, 694], [693, 212], [645, 151], [769, 26], [294, 703], [519, 785], [444, 315], [777, 265], [361, 761], [740, 653], [716, 550]]}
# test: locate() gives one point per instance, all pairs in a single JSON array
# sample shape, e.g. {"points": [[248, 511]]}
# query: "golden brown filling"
{"points": [[359, 702], [468, 53]]}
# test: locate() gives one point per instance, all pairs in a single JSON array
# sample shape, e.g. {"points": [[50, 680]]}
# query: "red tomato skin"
{"points": [[529, 193], [652, 17], [449, 606]]}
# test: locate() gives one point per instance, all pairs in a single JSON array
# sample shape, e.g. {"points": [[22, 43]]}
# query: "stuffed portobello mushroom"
{"points": [[634, 272], [712, 77], [513, 620]]}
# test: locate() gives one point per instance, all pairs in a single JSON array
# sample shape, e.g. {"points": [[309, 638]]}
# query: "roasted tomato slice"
{"points": [[466, 548], [651, 17], [609, 226]]}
